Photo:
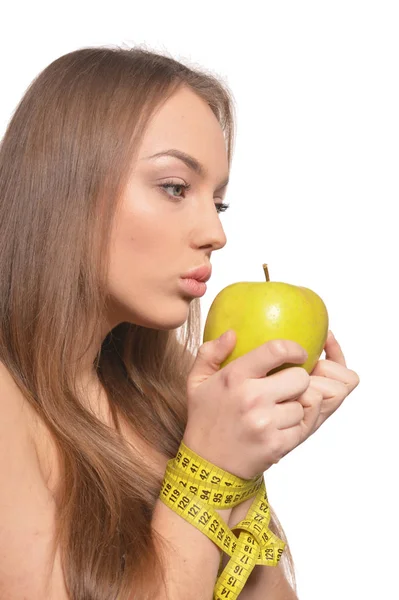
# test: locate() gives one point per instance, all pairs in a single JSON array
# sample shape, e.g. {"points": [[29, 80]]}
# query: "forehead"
{"points": [[185, 121]]}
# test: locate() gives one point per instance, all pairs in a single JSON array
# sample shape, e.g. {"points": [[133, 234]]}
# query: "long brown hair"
{"points": [[64, 162]]}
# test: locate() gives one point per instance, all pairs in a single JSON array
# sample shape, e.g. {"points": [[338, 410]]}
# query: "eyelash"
{"points": [[221, 207]]}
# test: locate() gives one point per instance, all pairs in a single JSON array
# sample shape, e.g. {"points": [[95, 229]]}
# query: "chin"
{"points": [[164, 311], [163, 320], [173, 322]]}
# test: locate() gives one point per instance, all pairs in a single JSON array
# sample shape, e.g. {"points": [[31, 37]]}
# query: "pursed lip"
{"points": [[202, 273]]}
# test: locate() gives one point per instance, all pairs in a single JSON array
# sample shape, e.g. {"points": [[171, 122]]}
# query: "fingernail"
{"points": [[330, 333], [224, 336]]}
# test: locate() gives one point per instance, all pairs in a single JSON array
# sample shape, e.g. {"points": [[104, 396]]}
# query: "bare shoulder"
{"points": [[30, 567], [42, 440], [18, 413], [30, 474]]}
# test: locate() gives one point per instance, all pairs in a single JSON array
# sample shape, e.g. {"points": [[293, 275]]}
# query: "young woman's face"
{"points": [[161, 233]]}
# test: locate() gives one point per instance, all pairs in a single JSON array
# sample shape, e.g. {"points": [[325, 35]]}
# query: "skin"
{"points": [[156, 239], [159, 235], [331, 382]]}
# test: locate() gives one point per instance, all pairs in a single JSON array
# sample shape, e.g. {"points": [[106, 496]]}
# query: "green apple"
{"points": [[260, 311]]}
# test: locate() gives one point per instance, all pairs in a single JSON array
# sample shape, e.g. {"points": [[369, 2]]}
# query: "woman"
{"points": [[97, 391]]}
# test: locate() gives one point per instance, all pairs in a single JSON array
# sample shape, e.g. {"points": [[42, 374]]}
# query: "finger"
{"points": [[291, 437], [311, 401], [333, 370], [258, 362], [281, 386], [333, 350], [288, 414], [333, 392]]}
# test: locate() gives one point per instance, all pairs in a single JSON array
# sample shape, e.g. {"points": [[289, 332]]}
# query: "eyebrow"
{"points": [[190, 161]]}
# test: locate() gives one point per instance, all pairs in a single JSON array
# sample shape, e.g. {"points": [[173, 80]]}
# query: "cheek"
{"points": [[135, 231], [131, 248], [143, 225], [148, 231], [144, 267], [144, 252]]}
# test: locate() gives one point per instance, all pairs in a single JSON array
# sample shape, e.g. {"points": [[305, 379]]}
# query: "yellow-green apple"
{"points": [[260, 311]]}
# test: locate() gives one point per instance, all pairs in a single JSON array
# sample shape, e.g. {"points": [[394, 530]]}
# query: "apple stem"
{"points": [[266, 270]]}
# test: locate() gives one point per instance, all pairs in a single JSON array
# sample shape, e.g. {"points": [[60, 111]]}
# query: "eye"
{"points": [[220, 207], [171, 184]]}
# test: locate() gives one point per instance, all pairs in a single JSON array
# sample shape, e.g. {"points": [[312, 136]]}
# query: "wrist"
{"points": [[191, 461], [225, 514], [239, 512]]}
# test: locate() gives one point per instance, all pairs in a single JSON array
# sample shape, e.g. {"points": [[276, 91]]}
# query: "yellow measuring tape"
{"points": [[192, 486]]}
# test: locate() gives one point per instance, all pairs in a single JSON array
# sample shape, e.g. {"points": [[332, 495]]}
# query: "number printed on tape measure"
{"points": [[194, 488]]}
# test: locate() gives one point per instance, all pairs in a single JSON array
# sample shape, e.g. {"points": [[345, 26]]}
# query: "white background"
{"points": [[314, 186]]}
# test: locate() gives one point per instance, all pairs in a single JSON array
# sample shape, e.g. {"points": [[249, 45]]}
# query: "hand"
{"points": [[239, 419], [330, 383]]}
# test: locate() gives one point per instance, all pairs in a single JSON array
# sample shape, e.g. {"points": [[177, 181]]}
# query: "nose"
{"points": [[209, 231]]}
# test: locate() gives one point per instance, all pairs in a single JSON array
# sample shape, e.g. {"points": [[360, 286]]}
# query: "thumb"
{"points": [[211, 355]]}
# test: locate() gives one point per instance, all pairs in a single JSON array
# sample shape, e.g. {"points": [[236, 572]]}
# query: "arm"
{"points": [[192, 563], [267, 583], [264, 583]]}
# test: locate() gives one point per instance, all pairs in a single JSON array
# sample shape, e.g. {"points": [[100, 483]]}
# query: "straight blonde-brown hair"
{"points": [[64, 163]]}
